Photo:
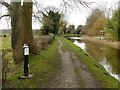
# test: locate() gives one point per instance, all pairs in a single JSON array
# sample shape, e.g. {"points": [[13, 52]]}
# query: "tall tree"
{"points": [[21, 23]]}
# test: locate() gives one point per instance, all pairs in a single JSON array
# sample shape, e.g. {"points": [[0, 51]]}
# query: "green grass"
{"points": [[7, 54], [44, 66], [6, 42], [106, 81]]}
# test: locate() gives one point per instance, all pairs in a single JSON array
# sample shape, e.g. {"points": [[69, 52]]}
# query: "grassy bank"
{"points": [[44, 66], [106, 81]]}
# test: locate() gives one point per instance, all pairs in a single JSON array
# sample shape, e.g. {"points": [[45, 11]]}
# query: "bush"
{"points": [[43, 41]]}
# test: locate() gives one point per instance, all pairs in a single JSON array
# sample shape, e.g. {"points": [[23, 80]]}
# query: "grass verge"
{"points": [[106, 81], [44, 66]]}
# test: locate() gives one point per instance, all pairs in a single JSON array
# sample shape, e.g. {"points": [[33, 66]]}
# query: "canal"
{"points": [[104, 55]]}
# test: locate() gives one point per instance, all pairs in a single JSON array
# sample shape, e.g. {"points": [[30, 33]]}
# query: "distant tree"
{"points": [[51, 22], [91, 20], [63, 26], [79, 29], [113, 25], [98, 26], [70, 29]]}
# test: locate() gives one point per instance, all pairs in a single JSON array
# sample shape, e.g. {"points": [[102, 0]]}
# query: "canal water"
{"points": [[105, 55]]}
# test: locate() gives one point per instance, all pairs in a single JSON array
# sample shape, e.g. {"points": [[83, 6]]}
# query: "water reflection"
{"points": [[106, 56], [81, 45], [108, 67], [95, 50], [75, 38]]}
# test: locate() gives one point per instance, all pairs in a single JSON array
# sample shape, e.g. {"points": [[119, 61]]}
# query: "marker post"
{"points": [[26, 54], [26, 65]]}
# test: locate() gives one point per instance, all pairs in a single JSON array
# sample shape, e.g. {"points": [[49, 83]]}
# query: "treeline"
{"points": [[54, 22], [98, 24]]}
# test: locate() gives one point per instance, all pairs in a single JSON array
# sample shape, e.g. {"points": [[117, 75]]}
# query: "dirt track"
{"points": [[73, 74]]}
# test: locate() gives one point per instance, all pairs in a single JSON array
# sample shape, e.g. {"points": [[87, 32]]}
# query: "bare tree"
{"points": [[21, 23], [75, 3]]}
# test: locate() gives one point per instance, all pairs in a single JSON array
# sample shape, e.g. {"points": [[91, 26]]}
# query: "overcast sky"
{"points": [[75, 17]]}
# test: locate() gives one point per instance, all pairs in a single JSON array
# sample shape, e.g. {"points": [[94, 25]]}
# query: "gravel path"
{"points": [[72, 73]]}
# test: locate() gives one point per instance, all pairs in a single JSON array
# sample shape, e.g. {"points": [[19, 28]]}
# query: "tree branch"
{"points": [[9, 7], [5, 16]]}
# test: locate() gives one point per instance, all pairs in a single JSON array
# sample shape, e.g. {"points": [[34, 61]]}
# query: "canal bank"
{"points": [[105, 55], [104, 79], [111, 43]]}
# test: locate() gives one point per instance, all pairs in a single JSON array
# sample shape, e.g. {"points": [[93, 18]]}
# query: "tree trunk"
{"points": [[17, 36], [28, 33], [21, 22]]}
